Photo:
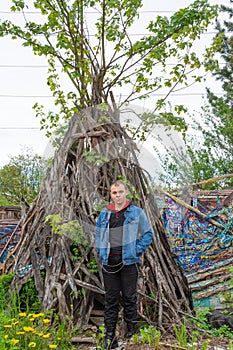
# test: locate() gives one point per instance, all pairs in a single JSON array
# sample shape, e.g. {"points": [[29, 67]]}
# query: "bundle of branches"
{"points": [[58, 231]]}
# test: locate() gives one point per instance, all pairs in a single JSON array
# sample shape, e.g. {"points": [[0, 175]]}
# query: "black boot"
{"points": [[131, 330], [110, 340]]}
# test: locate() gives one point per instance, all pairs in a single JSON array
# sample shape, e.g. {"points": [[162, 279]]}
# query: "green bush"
{"points": [[5, 281]]}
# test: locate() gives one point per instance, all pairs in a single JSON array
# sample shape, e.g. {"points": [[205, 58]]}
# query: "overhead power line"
{"points": [[129, 34], [123, 95], [86, 12], [24, 66], [18, 128], [26, 96], [46, 66]]}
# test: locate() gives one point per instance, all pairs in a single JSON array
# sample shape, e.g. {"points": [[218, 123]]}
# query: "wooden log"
{"points": [[213, 179], [83, 340]]}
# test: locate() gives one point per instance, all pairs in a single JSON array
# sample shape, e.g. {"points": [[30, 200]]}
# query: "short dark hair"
{"points": [[118, 183]]}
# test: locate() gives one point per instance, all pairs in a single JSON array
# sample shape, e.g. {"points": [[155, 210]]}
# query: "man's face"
{"points": [[118, 194]]}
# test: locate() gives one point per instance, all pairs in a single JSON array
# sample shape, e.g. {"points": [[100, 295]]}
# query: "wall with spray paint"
{"points": [[203, 250]]}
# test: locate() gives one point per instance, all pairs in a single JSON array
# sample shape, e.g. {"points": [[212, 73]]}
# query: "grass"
{"points": [[24, 327], [34, 330]]}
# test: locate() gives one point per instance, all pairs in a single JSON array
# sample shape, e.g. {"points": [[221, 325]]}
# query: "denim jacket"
{"points": [[137, 235]]}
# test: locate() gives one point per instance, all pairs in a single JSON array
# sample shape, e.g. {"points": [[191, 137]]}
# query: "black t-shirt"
{"points": [[116, 223]]}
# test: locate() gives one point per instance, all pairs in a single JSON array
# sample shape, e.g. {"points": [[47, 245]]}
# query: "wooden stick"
{"points": [[213, 179]]}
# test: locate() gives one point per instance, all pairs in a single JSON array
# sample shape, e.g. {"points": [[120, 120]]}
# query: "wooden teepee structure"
{"points": [[95, 151]]}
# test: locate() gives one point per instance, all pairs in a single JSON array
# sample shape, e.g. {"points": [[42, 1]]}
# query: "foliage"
{"points": [[15, 301], [148, 335], [181, 335], [202, 323], [72, 229], [27, 328], [22, 327], [217, 115], [210, 143], [99, 338], [222, 332], [55, 222], [34, 330], [5, 281], [92, 266], [20, 179], [110, 58], [28, 296], [94, 157], [4, 202]]}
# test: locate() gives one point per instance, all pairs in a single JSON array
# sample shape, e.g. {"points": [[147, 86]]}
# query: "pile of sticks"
{"points": [[95, 151]]}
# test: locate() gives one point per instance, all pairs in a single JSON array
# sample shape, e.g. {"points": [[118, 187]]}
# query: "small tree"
{"points": [[209, 147], [4, 201], [217, 126], [104, 58], [21, 178]]}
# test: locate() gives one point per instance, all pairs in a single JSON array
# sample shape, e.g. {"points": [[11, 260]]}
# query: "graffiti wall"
{"points": [[9, 237], [201, 247], [9, 230], [196, 242]]}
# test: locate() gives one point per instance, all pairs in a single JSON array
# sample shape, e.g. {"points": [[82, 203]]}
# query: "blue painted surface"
{"points": [[198, 244], [8, 240]]}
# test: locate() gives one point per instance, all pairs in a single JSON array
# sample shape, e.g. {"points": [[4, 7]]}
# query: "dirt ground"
{"points": [[213, 344]]}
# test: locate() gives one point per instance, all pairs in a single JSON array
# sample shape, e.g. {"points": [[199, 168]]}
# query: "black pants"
{"points": [[120, 281]]}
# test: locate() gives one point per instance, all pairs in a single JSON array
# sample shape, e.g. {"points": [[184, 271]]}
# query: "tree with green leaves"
{"points": [[100, 57], [21, 178], [208, 153], [4, 202], [215, 158]]}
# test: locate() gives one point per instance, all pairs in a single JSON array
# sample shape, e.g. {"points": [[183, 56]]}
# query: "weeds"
{"points": [[23, 329], [24, 326], [99, 338], [30, 330]]}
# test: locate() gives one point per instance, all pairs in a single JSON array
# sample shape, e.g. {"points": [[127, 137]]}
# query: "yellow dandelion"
{"points": [[46, 320], [40, 314], [52, 346], [46, 336], [14, 323], [6, 336], [14, 341], [22, 314], [31, 319], [40, 334], [8, 326], [32, 344], [28, 329], [20, 333]]}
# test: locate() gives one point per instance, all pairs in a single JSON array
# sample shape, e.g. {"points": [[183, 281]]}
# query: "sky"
{"points": [[23, 83]]}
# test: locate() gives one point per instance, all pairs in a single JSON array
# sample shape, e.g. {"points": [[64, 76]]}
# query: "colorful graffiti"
{"points": [[198, 243], [9, 237]]}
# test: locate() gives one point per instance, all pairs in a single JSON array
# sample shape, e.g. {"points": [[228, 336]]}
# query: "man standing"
{"points": [[123, 233]]}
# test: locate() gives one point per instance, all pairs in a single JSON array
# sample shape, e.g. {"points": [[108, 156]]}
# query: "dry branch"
{"points": [[213, 179]]}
